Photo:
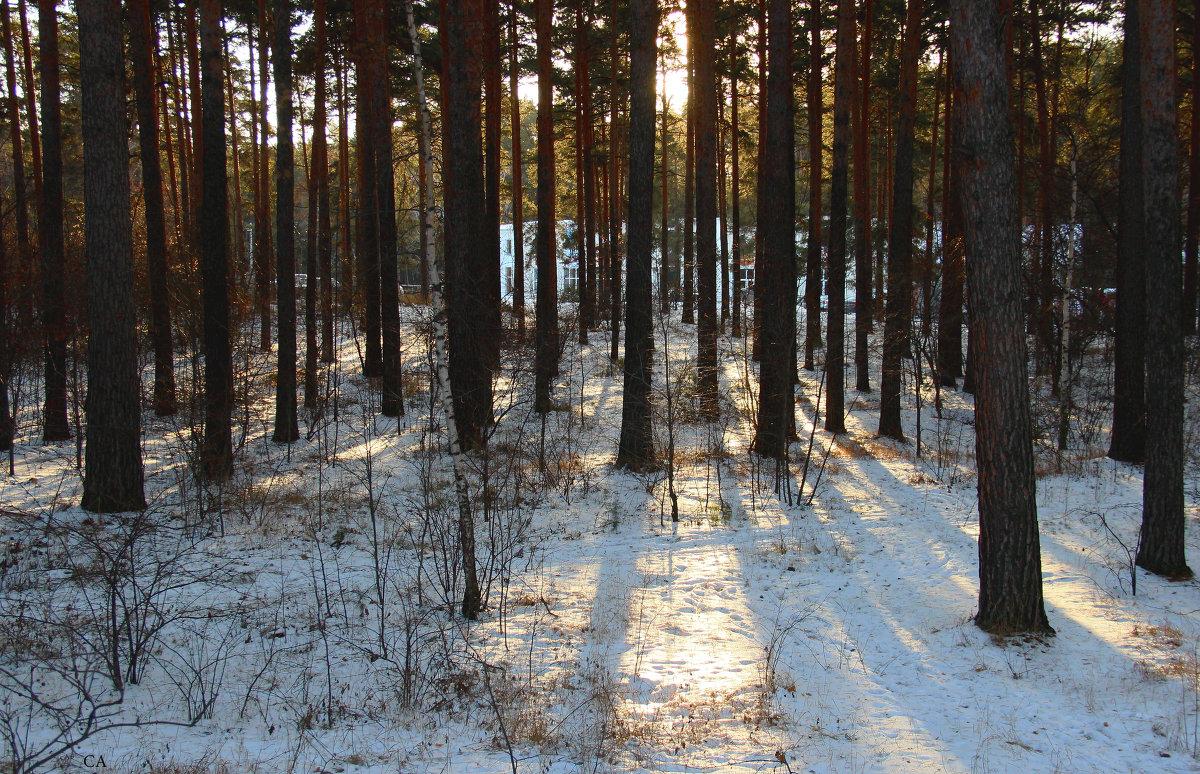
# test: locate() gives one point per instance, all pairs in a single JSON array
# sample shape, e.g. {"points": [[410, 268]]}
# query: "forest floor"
{"points": [[298, 617]]}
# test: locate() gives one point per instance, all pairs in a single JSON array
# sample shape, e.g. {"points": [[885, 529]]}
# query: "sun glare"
{"points": [[672, 74]]}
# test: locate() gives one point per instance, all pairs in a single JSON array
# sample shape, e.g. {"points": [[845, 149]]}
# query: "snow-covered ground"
{"points": [[302, 610]]}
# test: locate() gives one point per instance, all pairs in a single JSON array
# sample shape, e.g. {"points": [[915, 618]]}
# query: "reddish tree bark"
{"points": [[546, 344], [518, 182], [702, 56], [900, 243], [141, 45], [835, 354], [1161, 549], [466, 256], [1128, 442], [863, 295], [816, 107], [50, 223], [777, 220], [286, 425], [112, 480], [1010, 570], [636, 448], [216, 450]]}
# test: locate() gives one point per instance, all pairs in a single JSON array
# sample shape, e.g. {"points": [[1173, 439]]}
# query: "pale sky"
{"points": [[675, 83]]}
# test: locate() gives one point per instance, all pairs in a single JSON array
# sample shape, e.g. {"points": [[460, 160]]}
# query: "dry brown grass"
{"points": [[1171, 655], [701, 456], [1066, 464], [852, 447]]}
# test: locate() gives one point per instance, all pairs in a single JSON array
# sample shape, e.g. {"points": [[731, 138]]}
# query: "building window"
{"points": [[746, 275]]}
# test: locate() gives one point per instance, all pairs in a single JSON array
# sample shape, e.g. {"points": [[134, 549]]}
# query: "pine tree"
{"points": [[702, 55], [491, 176], [1129, 352], [50, 224], [898, 307], [835, 357], [863, 291], [546, 344], [286, 425], [379, 120], [216, 452], [777, 216], [320, 163], [466, 256], [6, 422], [1161, 547], [816, 107], [112, 480], [141, 34], [636, 450], [1010, 567], [518, 184]]}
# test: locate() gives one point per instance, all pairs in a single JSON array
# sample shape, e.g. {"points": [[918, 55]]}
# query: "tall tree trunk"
{"points": [[262, 196], [367, 230], [735, 185], [320, 162], [344, 190], [466, 256], [6, 421], [1010, 571], [1190, 272], [950, 312], [392, 403], [863, 292], [518, 184], [166, 76], [1129, 355], [493, 98], [589, 179], [702, 55], [239, 252], [141, 44], [636, 449], [192, 56], [664, 260], [112, 480], [603, 296], [20, 194], [778, 220], [1043, 230], [546, 344], [50, 223], [689, 179], [1161, 546], [759, 222], [812, 279], [614, 195], [286, 426], [216, 452], [843, 95], [31, 112], [472, 599], [582, 286], [722, 209], [900, 242], [258, 291], [178, 78], [311, 277], [927, 261]]}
